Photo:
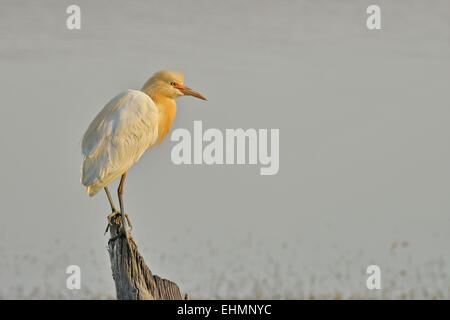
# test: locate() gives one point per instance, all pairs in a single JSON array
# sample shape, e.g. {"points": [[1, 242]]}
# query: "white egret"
{"points": [[128, 125]]}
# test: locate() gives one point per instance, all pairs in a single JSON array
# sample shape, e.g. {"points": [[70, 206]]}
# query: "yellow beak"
{"points": [[189, 92]]}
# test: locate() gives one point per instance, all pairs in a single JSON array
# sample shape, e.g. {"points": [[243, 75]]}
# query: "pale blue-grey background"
{"points": [[364, 146]]}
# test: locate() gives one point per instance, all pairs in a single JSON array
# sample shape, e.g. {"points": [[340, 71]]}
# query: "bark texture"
{"points": [[133, 279]]}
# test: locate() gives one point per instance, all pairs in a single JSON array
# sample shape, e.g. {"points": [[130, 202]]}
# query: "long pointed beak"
{"points": [[189, 92]]}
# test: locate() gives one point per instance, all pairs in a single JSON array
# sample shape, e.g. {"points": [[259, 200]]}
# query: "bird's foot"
{"points": [[112, 216]]}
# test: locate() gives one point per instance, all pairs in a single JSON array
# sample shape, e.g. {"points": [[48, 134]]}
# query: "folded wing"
{"points": [[117, 138]]}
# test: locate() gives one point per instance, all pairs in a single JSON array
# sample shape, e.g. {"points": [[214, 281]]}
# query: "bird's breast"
{"points": [[167, 112]]}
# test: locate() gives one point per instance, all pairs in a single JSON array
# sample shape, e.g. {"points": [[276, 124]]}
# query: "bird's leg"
{"points": [[111, 202], [120, 194], [113, 208]]}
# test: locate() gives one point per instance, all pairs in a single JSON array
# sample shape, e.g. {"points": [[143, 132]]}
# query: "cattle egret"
{"points": [[128, 125]]}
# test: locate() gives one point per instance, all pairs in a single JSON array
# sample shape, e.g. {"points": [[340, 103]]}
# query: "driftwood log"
{"points": [[133, 279]]}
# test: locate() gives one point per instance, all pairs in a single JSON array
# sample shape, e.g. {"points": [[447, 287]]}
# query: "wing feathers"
{"points": [[117, 138]]}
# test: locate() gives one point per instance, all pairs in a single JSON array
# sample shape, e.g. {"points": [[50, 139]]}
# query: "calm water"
{"points": [[363, 119]]}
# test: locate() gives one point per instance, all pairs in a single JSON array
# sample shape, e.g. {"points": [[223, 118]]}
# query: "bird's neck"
{"points": [[167, 110]]}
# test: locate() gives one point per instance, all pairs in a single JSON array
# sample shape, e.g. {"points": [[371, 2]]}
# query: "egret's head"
{"points": [[168, 84]]}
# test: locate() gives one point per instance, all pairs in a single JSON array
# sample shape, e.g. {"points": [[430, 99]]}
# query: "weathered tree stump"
{"points": [[133, 279]]}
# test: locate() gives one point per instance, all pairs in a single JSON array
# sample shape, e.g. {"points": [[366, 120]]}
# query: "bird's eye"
{"points": [[173, 83]]}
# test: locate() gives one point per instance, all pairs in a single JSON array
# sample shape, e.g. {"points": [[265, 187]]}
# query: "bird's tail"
{"points": [[89, 174], [93, 190]]}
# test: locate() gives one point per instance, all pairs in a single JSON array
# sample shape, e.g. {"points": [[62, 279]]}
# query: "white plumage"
{"points": [[128, 125], [117, 138]]}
